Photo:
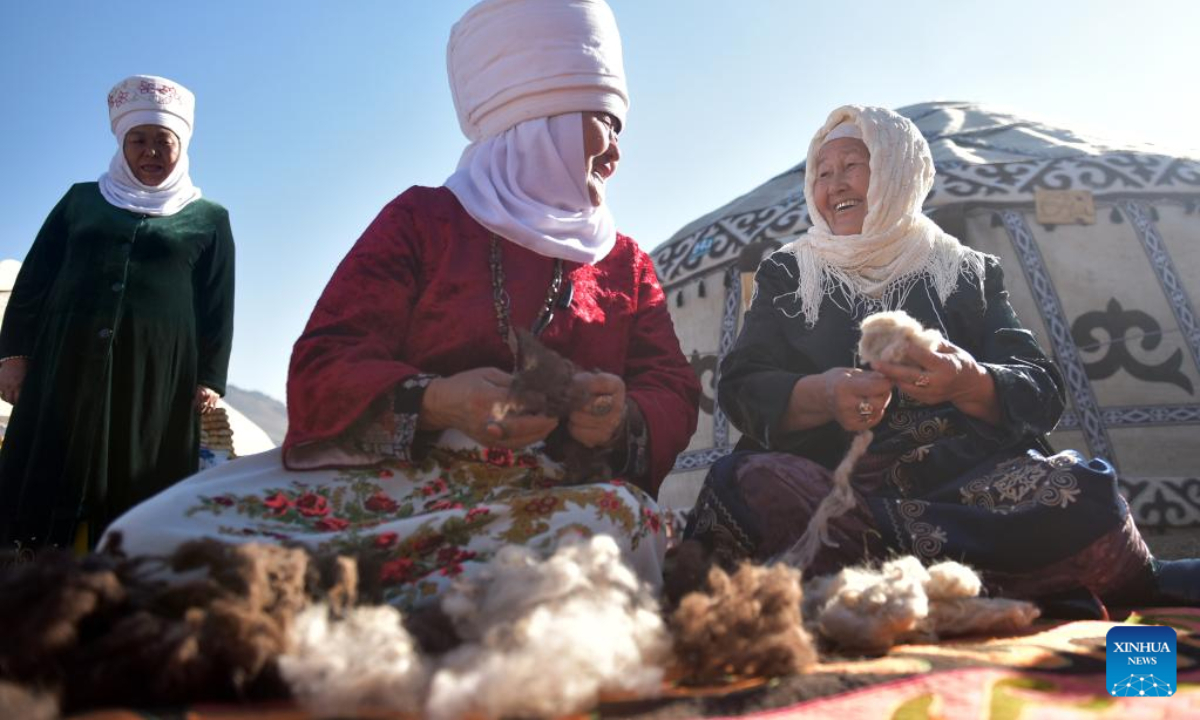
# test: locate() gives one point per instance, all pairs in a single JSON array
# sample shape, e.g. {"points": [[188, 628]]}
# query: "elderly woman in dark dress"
{"points": [[119, 327], [959, 467]]}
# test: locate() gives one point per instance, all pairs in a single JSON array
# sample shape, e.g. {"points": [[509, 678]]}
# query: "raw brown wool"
{"points": [[125, 638], [544, 384], [746, 624]]}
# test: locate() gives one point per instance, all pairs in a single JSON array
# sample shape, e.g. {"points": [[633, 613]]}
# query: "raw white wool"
{"points": [[886, 336], [366, 659], [866, 610], [546, 637]]}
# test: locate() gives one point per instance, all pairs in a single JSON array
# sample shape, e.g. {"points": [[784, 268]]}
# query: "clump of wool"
{"points": [[867, 610], [887, 337], [748, 623], [123, 637], [364, 658], [546, 637], [546, 383]]}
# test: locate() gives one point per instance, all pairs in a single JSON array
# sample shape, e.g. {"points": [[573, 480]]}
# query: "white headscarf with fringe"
{"points": [[898, 245]]}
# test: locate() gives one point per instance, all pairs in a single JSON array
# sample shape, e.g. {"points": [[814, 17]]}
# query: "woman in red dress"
{"points": [[395, 384]]}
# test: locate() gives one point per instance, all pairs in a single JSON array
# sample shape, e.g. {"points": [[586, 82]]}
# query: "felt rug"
{"points": [[1055, 671]]}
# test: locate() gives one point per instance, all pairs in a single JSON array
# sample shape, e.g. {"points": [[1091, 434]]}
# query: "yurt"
{"points": [[1100, 242]]}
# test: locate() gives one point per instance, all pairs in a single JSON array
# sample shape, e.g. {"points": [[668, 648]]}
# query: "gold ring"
{"points": [[921, 381]]}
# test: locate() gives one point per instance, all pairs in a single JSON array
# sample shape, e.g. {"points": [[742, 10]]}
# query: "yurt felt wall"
{"points": [[1101, 249]]}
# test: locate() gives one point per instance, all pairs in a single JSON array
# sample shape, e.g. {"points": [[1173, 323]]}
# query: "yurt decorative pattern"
{"points": [[1101, 246]]}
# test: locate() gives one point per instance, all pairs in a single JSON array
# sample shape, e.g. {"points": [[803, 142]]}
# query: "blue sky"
{"points": [[312, 115]]}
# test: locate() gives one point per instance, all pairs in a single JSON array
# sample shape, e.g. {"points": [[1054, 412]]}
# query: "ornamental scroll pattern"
{"points": [[1020, 484]]}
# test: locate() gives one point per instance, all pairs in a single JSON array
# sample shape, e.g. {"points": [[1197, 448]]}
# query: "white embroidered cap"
{"points": [[516, 60], [151, 100]]}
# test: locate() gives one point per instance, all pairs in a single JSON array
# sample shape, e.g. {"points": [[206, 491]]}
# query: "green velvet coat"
{"points": [[122, 315]]}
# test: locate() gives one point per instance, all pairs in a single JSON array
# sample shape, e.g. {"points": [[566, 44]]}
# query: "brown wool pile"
{"points": [[745, 624], [122, 638]]}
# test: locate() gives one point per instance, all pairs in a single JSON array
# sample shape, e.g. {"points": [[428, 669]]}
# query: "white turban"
{"points": [[150, 100], [898, 245], [522, 72], [515, 60]]}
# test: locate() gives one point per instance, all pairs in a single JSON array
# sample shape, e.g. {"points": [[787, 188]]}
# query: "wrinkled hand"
{"points": [[12, 377], [472, 402], [947, 374], [206, 399], [599, 420], [856, 398]]}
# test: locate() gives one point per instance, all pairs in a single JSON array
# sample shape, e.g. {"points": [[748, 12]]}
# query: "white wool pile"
{"points": [[546, 637], [887, 336], [866, 610], [365, 659]]}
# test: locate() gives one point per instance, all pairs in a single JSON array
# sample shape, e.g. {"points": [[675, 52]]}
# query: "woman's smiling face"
{"points": [[840, 188], [600, 152], [151, 151]]}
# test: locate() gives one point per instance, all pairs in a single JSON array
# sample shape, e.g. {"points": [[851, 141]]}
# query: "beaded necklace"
{"points": [[503, 305]]}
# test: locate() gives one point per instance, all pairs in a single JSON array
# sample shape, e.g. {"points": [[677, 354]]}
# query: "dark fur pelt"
{"points": [[122, 638], [544, 384], [745, 624]]}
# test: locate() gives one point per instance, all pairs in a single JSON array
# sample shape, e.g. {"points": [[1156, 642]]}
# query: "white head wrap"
{"points": [[845, 129], [150, 100], [898, 244], [521, 72]]}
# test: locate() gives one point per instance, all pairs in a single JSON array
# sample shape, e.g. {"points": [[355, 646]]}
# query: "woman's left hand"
{"points": [[597, 423], [947, 374], [206, 399]]}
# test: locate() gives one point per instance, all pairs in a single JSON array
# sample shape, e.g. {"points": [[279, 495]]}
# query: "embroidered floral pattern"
{"points": [[431, 520], [161, 94], [1022, 483]]}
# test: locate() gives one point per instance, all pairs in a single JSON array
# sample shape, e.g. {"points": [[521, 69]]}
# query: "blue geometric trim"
{"points": [[699, 459], [733, 300], [1034, 267], [1164, 269], [1135, 416]]}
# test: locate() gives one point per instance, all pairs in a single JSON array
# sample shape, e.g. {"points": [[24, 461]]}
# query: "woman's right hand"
{"points": [[12, 377], [856, 398], [469, 402]]}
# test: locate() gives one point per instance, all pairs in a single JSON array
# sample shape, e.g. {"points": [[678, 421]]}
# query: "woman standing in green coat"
{"points": [[117, 332]]}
